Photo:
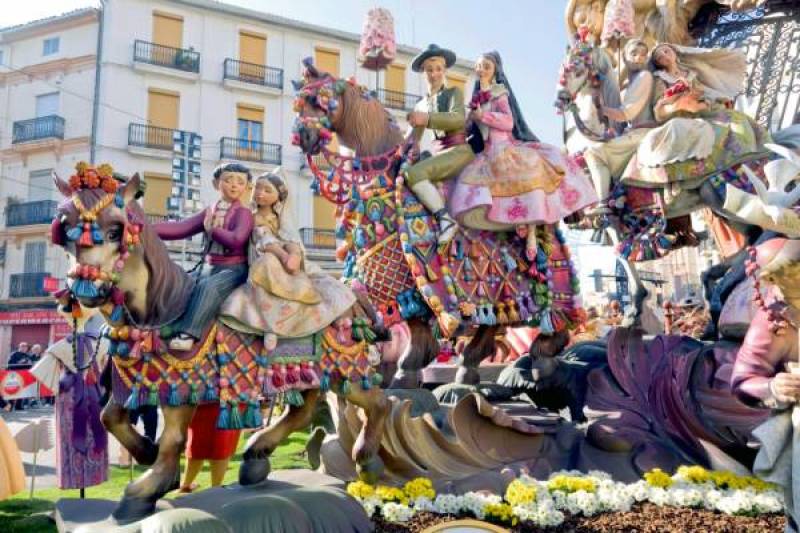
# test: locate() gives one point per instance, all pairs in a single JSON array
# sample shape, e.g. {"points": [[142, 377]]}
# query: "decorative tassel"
{"points": [[345, 387], [294, 398], [119, 201], [194, 397], [235, 421], [74, 233], [545, 325], [502, 318], [432, 276], [152, 397], [97, 235], [223, 420], [112, 347], [117, 314], [174, 399], [83, 288], [132, 403], [325, 381], [85, 239], [248, 416], [211, 393], [365, 383], [291, 375], [257, 420], [306, 374], [513, 316]]}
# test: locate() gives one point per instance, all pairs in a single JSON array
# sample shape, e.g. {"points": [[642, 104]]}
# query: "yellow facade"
{"points": [[159, 189]]}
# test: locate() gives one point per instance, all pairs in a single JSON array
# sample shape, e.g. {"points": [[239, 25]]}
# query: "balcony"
{"points": [[30, 213], [320, 239], [28, 285], [167, 57], [35, 129], [150, 137], [397, 100], [252, 76], [246, 150]]}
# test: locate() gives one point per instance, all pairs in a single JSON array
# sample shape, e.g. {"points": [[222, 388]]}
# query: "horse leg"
{"points": [[376, 407], [255, 460], [142, 494], [420, 351], [116, 420], [481, 346], [633, 313]]}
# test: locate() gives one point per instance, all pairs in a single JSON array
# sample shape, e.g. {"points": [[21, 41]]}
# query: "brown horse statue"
{"points": [[124, 269], [476, 285]]}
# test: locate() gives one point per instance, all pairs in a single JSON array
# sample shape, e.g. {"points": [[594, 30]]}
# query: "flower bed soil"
{"points": [[644, 518]]}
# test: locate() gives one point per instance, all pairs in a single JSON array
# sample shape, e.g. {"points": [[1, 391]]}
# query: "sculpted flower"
{"points": [[658, 478]]}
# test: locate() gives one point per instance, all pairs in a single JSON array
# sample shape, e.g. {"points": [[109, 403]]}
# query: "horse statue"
{"points": [[648, 221], [479, 282], [121, 267]]}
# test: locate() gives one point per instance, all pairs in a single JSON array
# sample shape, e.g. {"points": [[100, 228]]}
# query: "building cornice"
{"points": [[73, 19], [43, 70]]}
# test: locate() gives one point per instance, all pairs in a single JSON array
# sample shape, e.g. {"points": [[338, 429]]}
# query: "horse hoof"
{"points": [[132, 510], [253, 471], [370, 470]]}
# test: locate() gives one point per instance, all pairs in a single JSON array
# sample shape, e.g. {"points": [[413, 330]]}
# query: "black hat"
{"points": [[433, 50]]}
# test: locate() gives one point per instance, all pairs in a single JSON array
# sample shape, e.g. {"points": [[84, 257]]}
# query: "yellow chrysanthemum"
{"points": [[694, 474], [728, 480], [571, 484], [518, 493], [500, 512], [658, 478], [419, 488], [105, 170], [360, 490], [391, 494]]}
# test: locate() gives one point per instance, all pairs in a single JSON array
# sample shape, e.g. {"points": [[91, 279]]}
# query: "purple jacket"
{"points": [[233, 236]]}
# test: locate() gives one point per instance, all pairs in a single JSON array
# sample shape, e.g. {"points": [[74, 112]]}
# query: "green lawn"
{"points": [[22, 515]]}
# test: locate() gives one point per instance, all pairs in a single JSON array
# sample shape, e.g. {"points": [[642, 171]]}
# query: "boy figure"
{"points": [[608, 160], [227, 225], [442, 111]]}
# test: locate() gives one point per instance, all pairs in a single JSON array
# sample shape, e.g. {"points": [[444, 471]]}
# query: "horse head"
{"points": [[317, 107]]}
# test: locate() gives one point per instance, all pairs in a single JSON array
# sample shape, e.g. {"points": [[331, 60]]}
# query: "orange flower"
{"points": [[109, 185], [75, 182], [91, 179]]}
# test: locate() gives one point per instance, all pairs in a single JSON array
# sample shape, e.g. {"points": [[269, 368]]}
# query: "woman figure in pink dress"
{"points": [[515, 181]]}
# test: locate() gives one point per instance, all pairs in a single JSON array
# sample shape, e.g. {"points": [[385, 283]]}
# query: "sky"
{"points": [[529, 34]]}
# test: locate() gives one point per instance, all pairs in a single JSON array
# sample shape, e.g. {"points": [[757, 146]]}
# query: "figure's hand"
{"points": [[418, 119], [476, 115], [785, 387], [293, 263], [614, 114]]}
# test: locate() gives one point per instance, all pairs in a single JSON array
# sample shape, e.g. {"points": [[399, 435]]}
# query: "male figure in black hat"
{"points": [[442, 111]]}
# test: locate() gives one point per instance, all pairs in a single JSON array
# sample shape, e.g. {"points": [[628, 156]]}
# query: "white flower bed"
{"points": [[545, 502]]}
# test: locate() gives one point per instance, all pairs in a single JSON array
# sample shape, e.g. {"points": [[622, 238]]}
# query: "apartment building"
{"points": [[183, 86]]}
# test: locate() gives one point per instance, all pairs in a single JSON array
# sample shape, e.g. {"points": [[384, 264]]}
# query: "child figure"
{"points": [[227, 225], [285, 295], [515, 181]]}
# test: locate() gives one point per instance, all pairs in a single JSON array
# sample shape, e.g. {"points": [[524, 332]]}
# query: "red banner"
{"points": [[37, 316], [18, 384]]}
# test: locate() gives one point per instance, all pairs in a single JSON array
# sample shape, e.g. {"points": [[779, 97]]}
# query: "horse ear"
{"points": [[62, 186], [130, 191]]}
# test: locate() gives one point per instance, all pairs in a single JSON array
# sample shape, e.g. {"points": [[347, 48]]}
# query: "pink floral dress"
{"points": [[515, 183]]}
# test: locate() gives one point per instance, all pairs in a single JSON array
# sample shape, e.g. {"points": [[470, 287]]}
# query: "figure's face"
{"points": [[637, 57], [590, 13], [435, 70], [23, 347], [37, 349], [665, 57], [231, 185], [485, 69], [265, 193]]}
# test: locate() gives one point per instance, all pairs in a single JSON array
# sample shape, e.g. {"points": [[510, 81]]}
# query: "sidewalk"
{"points": [[46, 460]]}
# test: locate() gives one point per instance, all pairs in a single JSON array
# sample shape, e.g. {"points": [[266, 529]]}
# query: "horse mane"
{"points": [[169, 287], [168, 290], [364, 124]]}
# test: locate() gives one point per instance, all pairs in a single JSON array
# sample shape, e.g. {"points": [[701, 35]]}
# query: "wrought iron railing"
{"points": [[318, 238], [28, 285], [247, 150], [397, 99], [28, 213], [166, 56], [253, 73], [51, 126], [150, 136]]}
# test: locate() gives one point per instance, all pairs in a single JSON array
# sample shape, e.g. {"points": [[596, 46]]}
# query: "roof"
{"points": [[63, 17], [278, 20]]}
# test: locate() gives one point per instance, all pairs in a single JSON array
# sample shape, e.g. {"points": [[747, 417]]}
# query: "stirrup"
{"points": [[447, 226]]}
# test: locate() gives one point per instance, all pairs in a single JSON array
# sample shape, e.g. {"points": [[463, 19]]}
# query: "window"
{"points": [[51, 46], [250, 126], [167, 29], [159, 189], [2, 58], [40, 185], [46, 105], [34, 256], [327, 60]]}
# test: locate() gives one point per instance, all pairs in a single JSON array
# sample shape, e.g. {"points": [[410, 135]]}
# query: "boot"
{"points": [[429, 195]]}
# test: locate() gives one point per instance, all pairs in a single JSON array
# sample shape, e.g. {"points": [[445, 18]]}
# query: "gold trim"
{"points": [[466, 523], [377, 248]]}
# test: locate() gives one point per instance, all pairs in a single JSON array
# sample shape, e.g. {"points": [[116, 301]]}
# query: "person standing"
{"points": [[20, 360]]}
